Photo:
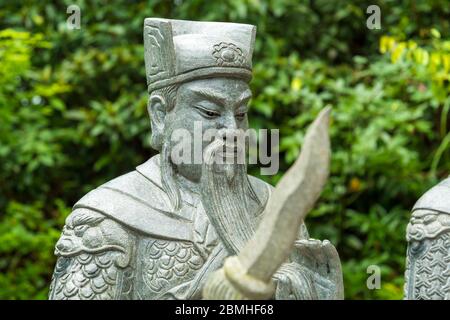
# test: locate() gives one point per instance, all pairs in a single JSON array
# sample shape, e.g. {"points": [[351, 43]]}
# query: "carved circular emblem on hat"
{"points": [[228, 55]]}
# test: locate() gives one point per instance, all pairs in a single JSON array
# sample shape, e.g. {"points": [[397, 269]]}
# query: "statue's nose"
{"points": [[64, 245], [229, 123]]}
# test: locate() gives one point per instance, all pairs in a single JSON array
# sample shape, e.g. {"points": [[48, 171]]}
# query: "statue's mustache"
{"points": [[227, 148], [221, 157]]}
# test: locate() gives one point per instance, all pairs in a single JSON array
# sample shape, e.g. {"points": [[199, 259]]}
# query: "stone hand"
{"points": [[322, 260], [293, 282]]}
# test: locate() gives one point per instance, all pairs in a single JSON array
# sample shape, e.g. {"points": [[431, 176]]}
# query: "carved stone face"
{"points": [[216, 103]]}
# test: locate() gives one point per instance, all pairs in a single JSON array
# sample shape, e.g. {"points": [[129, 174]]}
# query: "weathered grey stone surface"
{"points": [[161, 230], [427, 275]]}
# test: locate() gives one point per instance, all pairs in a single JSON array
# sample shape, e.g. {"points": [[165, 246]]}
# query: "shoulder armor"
{"points": [[139, 204], [93, 255]]}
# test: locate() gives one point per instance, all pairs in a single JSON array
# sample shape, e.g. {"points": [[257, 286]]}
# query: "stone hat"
{"points": [[178, 51], [436, 199]]}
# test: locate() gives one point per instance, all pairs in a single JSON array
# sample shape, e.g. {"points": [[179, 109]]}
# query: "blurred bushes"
{"points": [[73, 115]]}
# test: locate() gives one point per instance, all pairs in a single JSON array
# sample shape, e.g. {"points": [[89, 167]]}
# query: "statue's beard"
{"points": [[225, 191], [225, 194]]}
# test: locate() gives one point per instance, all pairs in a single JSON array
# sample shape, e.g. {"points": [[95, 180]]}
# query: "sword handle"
{"points": [[231, 283]]}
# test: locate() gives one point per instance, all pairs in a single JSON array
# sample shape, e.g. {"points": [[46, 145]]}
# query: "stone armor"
{"points": [[132, 247], [122, 242]]}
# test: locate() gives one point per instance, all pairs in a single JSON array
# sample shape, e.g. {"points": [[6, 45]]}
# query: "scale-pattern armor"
{"points": [[93, 259]]}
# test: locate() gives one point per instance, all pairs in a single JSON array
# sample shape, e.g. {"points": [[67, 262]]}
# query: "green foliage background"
{"points": [[73, 115]]}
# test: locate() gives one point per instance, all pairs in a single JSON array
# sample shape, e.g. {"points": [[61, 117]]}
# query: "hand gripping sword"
{"points": [[249, 274]]}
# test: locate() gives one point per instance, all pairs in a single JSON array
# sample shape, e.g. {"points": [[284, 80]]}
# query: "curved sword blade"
{"points": [[292, 199]]}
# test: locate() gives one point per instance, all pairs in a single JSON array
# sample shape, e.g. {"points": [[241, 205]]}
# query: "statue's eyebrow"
{"points": [[247, 94], [221, 99], [211, 95]]}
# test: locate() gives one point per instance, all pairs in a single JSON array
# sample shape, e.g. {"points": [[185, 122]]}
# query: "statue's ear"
{"points": [[157, 111]]}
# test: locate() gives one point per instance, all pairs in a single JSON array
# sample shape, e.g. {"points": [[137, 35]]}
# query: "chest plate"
{"points": [[164, 265], [428, 269]]}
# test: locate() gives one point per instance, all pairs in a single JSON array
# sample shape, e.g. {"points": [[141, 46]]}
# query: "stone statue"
{"points": [[165, 230], [427, 275]]}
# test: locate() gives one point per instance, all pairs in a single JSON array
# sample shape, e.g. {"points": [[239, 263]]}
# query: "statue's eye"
{"points": [[207, 113], [79, 230], [240, 115], [210, 113]]}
